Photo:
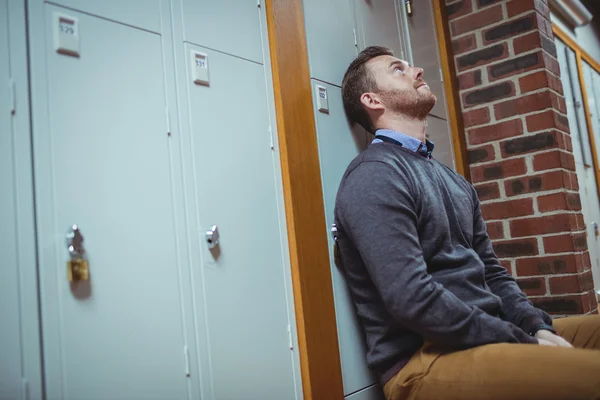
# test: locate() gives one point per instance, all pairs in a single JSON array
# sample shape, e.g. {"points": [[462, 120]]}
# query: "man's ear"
{"points": [[371, 101]]}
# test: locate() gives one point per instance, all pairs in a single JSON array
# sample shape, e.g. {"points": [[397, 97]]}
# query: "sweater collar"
{"points": [[408, 142]]}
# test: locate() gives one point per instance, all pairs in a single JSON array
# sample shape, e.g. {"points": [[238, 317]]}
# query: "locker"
{"points": [[10, 335], [338, 145], [231, 26], [239, 284], [425, 51], [330, 51], [378, 25], [144, 14], [103, 162]]}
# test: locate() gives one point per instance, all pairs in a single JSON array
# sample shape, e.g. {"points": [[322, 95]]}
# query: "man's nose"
{"points": [[418, 73]]}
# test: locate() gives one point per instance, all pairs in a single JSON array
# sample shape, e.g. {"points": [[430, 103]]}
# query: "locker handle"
{"points": [[212, 237]]}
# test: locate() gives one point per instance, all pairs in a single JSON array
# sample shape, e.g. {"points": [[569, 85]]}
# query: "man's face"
{"points": [[401, 88]]}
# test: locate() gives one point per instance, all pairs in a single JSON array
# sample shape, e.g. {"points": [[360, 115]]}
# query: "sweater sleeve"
{"points": [[515, 305], [378, 213]]}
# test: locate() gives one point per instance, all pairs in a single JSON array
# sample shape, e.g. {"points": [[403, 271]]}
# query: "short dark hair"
{"points": [[358, 80]]}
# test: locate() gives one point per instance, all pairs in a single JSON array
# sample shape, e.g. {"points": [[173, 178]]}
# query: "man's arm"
{"points": [[515, 305], [377, 212]]}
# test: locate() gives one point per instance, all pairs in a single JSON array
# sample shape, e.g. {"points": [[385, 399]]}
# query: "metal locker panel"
{"points": [[378, 25], [10, 334], [241, 279], [438, 131], [330, 37], [215, 24], [143, 14], [374, 392], [425, 51], [338, 145], [103, 162]]}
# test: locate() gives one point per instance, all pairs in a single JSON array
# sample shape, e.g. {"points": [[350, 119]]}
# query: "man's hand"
{"points": [[547, 338]]}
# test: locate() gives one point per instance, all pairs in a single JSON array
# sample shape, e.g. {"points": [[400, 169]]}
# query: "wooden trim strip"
{"points": [[451, 86], [305, 215], [580, 55]]}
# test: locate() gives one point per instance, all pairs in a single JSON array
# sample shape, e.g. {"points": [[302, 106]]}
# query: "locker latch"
{"points": [[409, 9]]}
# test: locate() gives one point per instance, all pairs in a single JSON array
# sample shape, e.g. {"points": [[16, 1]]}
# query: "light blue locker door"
{"points": [[229, 26], [10, 341], [143, 14], [330, 38], [103, 162], [338, 145], [239, 285], [378, 24]]}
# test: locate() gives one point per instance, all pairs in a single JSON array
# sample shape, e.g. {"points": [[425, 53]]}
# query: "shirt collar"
{"points": [[408, 142]]}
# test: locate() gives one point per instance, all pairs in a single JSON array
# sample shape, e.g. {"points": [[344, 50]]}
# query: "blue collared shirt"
{"points": [[408, 142]]}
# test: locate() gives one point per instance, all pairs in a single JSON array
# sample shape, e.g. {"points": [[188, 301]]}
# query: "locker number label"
{"points": [[66, 27]]}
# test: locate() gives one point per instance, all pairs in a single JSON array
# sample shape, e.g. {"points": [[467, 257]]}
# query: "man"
{"points": [[443, 319]]}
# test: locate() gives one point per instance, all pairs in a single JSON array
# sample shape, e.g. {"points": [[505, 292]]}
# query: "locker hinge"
{"points": [[168, 120], [291, 341], [24, 389], [258, 3], [186, 356], [355, 40], [12, 101], [271, 135]]}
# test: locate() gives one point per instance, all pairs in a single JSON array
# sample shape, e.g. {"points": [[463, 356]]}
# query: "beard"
{"points": [[411, 103]]}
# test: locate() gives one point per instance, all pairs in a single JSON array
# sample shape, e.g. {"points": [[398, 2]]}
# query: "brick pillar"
{"points": [[519, 148]]}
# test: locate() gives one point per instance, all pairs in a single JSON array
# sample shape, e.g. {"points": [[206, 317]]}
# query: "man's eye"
{"points": [[398, 69]]}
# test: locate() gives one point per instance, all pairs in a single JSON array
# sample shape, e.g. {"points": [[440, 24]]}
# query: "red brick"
{"points": [[516, 65], [536, 183], [547, 120], [507, 209], [476, 20], [551, 265], [488, 94], [495, 230], [539, 80], [459, 9], [541, 225], [516, 7], [554, 159], [469, 79], [488, 191], [527, 42], [482, 56], [464, 44], [565, 305], [476, 117], [499, 170], [559, 201], [570, 284], [516, 248], [544, 25], [481, 154], [571, 181], [526, 104], [532, 286], [569, 242], [509, 29], [490, 133], [532, 143], [551, 63]]}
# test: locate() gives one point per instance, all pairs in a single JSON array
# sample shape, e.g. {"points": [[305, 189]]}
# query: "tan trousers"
{"points": [[507, 371]]}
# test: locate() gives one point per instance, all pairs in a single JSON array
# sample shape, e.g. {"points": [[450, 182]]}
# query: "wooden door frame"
{"points": [[305, 213], [580, 56]]}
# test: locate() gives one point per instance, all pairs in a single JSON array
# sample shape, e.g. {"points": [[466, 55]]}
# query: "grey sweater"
{"points": [[419, 263]]}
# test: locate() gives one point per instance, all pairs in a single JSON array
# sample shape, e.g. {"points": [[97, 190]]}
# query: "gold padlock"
{"points": [[78, 269]]}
